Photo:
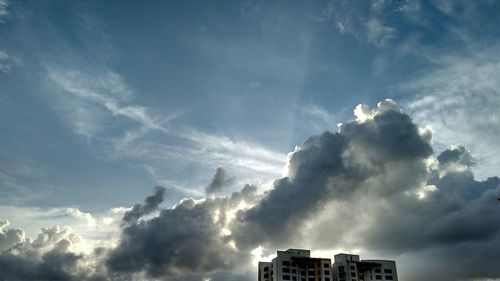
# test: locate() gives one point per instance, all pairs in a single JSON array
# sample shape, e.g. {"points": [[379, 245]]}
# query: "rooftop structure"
{"points": [[295, 265], [349, 267], [298, 265]]}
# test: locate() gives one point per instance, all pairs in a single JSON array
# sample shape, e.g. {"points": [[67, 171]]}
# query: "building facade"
{"points": [[298, 265], [295, 265], [350, 268]]}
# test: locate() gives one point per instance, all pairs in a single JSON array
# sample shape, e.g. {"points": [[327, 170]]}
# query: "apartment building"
{"points": [[298, 265], [349, 267], [295, 265]]}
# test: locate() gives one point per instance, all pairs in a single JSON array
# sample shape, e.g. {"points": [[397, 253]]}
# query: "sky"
{"points": [[186, 140]]}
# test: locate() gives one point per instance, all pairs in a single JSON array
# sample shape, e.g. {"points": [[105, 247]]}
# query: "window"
{"points": [[327, 278], [388, 271], [388, 277], [285, 263], [303, 279], [286, 277], [353, 274], [327, 265], [378, 277], [294, 278], [377, 270], [294, 270], [353, 267], [327, 272], [341, 268], [286, 270], [266, 275], [266, 268]]}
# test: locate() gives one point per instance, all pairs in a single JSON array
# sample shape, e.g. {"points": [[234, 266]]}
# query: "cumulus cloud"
{"points": [[84, 216], [53, 255], [220, 180], [190, 238], [10, 237], [374, 185], [381, 166], [335, 167]]}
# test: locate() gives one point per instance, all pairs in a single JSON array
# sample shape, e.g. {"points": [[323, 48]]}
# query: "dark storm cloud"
{"points": [[221, 179], [374, 185], [331, 167], [374, 180], [457, 155], [186, 239], [294, 197], [150, 205]]}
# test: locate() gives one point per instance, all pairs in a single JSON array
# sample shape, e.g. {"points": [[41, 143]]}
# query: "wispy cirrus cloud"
{"points": [[6, 61], [104, 99], [4, 4], [460, 100], [364, 20], [108, 91]]}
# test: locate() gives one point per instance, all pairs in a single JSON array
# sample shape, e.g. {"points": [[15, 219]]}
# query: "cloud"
{"points": [[150, 204], [95, 104], [105, 89], [374, 185], [51, 256], [9, 237], [4, 5], [187, 239], [456, 159], [364, 19], [449, 97], [77, 214], [378, 33], [6, 60], [221, 179], [334, 167]]}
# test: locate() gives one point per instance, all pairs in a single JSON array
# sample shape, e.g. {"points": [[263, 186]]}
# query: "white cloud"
{"points": [[364, 113], [363, 20], [318, 112], [460, 101], [4, 4], [9, 237], [100, 228], [84, 216], [5, 60], [107, 90], [378, 33], [98, 97]]}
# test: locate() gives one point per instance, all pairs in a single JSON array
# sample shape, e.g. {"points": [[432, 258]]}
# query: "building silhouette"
{"points": [[349, 267], [298, 265]]}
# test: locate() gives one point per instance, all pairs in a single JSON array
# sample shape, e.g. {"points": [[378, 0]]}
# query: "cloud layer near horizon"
{"points": [[375, 185]]}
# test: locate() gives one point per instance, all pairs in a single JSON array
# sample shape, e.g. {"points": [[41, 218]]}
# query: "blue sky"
{"points": [[100, 101]]}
